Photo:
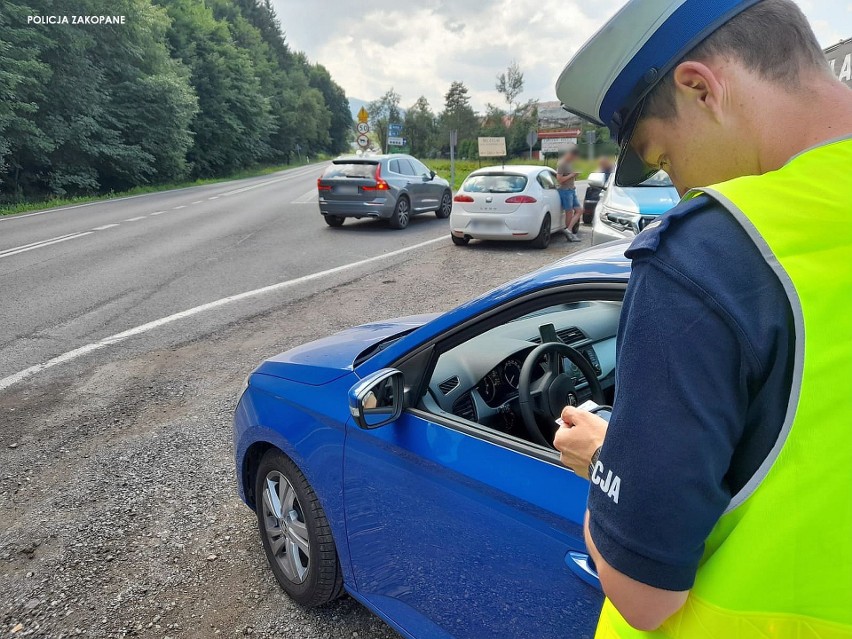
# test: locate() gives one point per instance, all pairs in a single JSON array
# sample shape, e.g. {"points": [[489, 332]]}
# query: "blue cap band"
{"points": [[684, 29]]}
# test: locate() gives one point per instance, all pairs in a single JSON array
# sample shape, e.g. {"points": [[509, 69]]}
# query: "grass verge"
{"points": [[464, 167], [51, 203]]}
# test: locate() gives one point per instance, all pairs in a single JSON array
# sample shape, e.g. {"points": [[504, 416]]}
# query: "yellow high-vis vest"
{"points": [[778, 563]]}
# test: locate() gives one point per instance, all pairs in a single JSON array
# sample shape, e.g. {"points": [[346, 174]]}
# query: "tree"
{"points": [[510, 85], [340, 129], [382, 112], [458, 115], [420, 128]]}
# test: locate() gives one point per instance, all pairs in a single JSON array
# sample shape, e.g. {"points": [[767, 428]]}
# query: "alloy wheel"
{"points": [[402, 212], [285, 527]]}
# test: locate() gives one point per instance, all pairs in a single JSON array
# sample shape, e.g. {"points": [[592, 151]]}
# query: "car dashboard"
{"points": [[478, 380]]}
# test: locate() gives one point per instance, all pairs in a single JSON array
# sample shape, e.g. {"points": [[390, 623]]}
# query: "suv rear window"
{"points": [[495, 183], [351, 170]]}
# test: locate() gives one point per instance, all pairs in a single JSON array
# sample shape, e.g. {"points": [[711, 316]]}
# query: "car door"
{"points": [[547, 180], [432, 190], [414, 184], [456, 531]]}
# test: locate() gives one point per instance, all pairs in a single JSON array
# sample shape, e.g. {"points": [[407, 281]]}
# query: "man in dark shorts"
{"points": [[566, 177]]}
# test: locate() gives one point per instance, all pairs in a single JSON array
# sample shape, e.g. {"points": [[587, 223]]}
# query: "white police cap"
{"points": [[610, 76]]}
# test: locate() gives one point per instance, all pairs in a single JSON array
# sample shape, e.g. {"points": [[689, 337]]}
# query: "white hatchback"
{"points": [[507, 203]]}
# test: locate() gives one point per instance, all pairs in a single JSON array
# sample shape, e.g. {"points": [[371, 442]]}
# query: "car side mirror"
{"points": [[597, 180], [432, 175], [377, 399]]}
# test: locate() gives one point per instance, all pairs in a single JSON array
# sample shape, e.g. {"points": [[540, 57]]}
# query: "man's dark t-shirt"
{"points": [[705, 351]]}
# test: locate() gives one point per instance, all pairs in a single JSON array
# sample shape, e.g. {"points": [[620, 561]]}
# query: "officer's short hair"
{"points": [[773, 38]]}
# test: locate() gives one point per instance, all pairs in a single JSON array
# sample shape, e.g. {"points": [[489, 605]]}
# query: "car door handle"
{"points": [[581, 565]]}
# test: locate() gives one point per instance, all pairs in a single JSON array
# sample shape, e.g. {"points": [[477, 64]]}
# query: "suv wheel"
{"points": [[446, 206], [542, 241], [295, 533], [334, 220], [401, 213]]}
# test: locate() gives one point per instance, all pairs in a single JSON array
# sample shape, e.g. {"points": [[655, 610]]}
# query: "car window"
{"points": [[478, 380], [351, 170], [419, 167], [405, 167], [495, 183], [545, 178], [660, 178], [394, 166]]}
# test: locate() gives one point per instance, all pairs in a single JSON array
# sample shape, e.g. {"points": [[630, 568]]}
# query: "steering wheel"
{"points": [[548, 395]]}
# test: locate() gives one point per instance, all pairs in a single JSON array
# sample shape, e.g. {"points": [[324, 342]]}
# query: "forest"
{"points": [[183, 89]]}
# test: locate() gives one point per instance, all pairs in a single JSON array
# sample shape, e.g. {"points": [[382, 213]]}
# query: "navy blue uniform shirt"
{"points": [[704, 364]]}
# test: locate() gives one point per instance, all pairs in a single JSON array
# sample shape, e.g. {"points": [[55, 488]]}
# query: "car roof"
{"points": [[523, 169], [370, 158]]}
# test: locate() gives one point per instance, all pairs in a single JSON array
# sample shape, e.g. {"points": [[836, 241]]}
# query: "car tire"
{"points": [[304, 559], [334, 220], [401, 213], [446, 207], [542, 240], [460, 241], [588, 215], [576, 228]]}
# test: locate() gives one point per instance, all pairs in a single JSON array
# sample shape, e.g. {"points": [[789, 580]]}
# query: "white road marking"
{"points": [[157, 212], [215, 197], [6, 382], [136, 219], [306, 198], [15, 248], [198, 201], [179, 207], [105, 227], [38, 245]]}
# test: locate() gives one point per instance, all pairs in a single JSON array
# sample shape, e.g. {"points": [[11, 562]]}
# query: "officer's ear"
{"points": [[700, 87]]}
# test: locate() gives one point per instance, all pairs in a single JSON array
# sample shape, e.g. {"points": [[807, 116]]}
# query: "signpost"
{"points": [[556, 145], [454, 139], [532, 138], [591, 138], [363, 129], [395, 141]]}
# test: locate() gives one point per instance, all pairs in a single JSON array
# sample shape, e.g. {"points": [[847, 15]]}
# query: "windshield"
{"points": [[660, 178], [351, 170], [495, 183]]}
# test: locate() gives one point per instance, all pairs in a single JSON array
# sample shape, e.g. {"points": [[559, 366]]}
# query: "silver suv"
{"points": [[391, 187]]}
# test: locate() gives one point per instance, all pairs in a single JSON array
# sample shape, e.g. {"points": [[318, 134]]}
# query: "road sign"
{"points": [[394, 130], [363, 128], [396, 141], [556, 145], [532, 138], [363, 116], [363, 141], [492, 147]]}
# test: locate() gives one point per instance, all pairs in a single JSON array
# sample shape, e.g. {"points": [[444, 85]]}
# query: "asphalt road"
{"points": [[72, 277], [118, 507]]}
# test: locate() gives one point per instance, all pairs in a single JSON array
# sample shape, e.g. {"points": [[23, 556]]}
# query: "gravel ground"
{"points": [[117, 497]]}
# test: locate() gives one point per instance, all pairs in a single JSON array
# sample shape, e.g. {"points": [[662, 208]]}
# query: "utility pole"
{"points": [[591, 138], [454, 138]]}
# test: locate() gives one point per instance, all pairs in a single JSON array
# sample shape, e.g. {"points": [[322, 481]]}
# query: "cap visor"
{"points": [[631, 169]]}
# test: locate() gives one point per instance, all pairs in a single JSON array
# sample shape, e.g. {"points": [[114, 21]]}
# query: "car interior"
{"points": [[516, 377]]}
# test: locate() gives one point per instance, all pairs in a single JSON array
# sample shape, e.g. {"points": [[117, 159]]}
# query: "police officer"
{"points": [[731, 435]]}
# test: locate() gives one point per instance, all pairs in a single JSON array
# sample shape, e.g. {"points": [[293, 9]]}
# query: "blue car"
{"points": [[409, 462], [623, 212]]}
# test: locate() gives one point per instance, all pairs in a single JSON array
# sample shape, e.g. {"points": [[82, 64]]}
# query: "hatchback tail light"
{"points": [[321, 186], [381, 185], [521, 199], [462, 198]]}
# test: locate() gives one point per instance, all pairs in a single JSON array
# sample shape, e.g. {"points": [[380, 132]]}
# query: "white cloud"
{"points": [[420, 47]]}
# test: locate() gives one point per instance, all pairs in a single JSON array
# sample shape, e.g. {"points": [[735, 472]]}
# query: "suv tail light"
{"points": [[462, 198], [521, 199], [321, 186], [381, 185]]}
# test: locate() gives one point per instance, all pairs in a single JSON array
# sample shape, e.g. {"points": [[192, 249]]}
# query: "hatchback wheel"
{"points": [[542, 240], [334, 220], [460, 241], [401, 213], [446, 206], [295, 533]]}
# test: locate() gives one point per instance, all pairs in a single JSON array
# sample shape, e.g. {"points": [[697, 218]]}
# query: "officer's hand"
{"points": [[576, 441]]}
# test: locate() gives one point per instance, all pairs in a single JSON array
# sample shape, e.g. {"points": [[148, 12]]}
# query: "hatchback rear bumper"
{"points": [[523, 224], [381, 207]]}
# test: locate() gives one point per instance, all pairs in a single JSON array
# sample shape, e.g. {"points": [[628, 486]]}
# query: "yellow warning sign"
{"points": [[363, 116]]}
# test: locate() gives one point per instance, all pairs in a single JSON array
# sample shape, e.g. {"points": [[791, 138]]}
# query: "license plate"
{"points": [[346, 190]]}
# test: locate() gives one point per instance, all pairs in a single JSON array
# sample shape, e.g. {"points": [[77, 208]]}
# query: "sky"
{"points": [[419, 46]]}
